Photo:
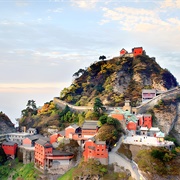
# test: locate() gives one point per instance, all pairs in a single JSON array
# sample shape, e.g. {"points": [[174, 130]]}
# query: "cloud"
{"points": [[136, 19], [57, 10], [170, 4], [85, 4], [22, 3]]}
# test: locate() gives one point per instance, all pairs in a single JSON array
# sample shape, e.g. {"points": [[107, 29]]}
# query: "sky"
{"points": [[44, 42]]}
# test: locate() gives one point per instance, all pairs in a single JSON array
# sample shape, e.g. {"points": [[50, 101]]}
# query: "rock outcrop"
{"points": [[6, 126]]}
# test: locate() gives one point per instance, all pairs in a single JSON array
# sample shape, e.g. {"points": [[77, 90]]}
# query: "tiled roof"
{"points": [[88, 124], [60, 153], [160, 134], [10, 143], [62, 133], [35, 137], [43, 142]]}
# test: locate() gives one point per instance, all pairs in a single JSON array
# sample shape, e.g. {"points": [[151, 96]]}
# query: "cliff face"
{"points": [[117, 79], [6, 126]]}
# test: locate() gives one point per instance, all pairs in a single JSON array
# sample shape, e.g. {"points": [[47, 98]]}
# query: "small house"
{"points": [[123, 52], [96, 150], [30, 140], [143, 130], [148, 94], [137, 51], [10, 148], [32, 131]]}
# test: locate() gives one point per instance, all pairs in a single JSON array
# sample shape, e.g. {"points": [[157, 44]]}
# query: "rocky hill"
{"points": [[116, 79], [6, 126]]}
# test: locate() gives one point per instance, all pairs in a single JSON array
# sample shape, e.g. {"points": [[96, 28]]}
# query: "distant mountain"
{"points": [[6, 126], [117, 79]]}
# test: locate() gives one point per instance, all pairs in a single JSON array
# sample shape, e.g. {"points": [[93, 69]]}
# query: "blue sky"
{"points": [[44, 42]]}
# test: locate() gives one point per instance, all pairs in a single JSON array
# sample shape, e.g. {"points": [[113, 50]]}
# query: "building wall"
{"points": [[96, 151], [131, 126], [54, 138], [120, 117], [147, 121], [137, 51], [27, 142], [68, 131], [10, 149]]}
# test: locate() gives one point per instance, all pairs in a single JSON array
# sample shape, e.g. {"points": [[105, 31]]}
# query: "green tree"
{"points": [[102, 57], [98, 106]]}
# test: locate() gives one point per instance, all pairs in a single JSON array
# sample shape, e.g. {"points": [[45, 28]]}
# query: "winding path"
{"points": [[126, 163]]}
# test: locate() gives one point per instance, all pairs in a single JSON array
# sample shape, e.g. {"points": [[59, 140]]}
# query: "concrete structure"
{"points": [[96, 150], [17, 137], [32, 131], [148, 141], [10, 148], [148, 94]]}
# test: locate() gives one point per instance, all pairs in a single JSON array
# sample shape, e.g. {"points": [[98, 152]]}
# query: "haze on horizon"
{"points": [[43, 43]]}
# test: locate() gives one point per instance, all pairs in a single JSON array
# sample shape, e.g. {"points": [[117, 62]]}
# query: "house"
{"points": [[96, 150], [73, 132], [30, 140], [160, 136], [137, 51], [47, 158], [10, 148], [42, 148], [17, 137], [148, 94], [123, 52], [89, 129], [57, 159], [131, 120], [153, 131], [57, 136], [147, 120], [143, 130], [118, 114], [32, 131]]}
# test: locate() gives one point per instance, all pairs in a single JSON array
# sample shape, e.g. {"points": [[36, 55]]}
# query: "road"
{"points": [[126, 163]]}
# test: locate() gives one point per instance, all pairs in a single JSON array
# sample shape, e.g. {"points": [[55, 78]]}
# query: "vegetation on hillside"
{"points": [[159, 161], [114, 80], [18, 171]]}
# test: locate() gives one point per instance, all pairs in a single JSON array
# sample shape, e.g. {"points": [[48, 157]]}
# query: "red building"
{"points": [[30, 141], [88, 130], [10, 148], [42, 148], [47, 158], [96, 150], [137, 51], [131, 126], [122, 52], [54, 137], [147, 120]]}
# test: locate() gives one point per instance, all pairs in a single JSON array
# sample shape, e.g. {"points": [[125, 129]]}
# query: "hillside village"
{"points": [[43, 151]]}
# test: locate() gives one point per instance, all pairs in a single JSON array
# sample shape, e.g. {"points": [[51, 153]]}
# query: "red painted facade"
{"points": [[54, 137], [122, 52], [27, 142], [41, 150], [131, 126], [120, 117], [137, 51], [147, 121], [9, 148], [95, 150]]}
